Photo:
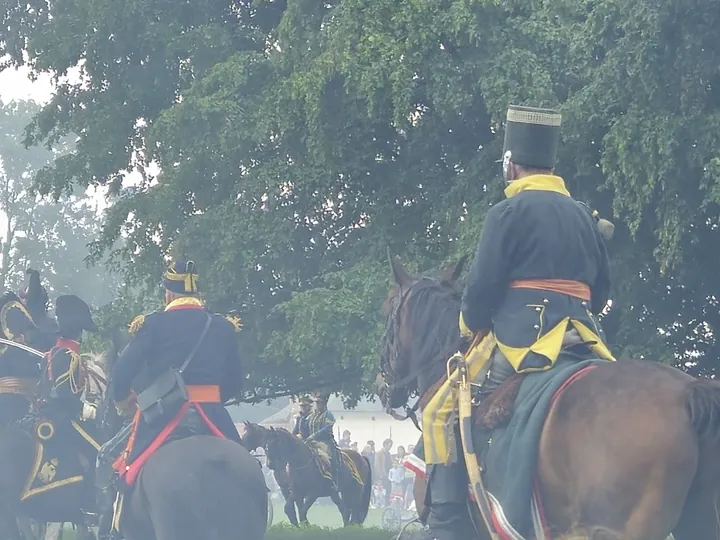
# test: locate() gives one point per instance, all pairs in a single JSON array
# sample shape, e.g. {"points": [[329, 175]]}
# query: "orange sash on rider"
{"points": [[198, 394], [576, 289]]}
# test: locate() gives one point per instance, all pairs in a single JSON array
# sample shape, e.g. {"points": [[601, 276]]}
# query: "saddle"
{"points": [[58, 457], [496, 409], [321, 452]]}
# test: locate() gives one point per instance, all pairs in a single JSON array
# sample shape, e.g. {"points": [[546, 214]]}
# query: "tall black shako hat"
{"points": [[532, 137], [181, 277], [73, 315]]}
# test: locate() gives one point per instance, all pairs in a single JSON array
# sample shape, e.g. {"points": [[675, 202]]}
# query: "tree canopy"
{"points": [[297, 140]]}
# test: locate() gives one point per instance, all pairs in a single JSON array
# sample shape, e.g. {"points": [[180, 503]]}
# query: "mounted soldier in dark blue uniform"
{"points": [[181, 366], [65, 376], [19, 369], [23, 319], [539, 279], [320, 426], [301, 429]]}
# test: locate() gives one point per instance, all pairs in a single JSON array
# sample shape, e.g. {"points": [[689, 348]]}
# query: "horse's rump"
{"points": [[356, 463], [197, 487], [146, 439], [619, 450]]}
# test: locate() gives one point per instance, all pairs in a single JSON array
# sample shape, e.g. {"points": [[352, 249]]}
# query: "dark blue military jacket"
{"points": [[164, 340], [538, 233], [64, 381]]}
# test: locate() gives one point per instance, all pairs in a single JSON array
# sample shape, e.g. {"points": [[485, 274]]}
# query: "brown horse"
{"points": [[307, 484], [195, 487], [630, 447]]}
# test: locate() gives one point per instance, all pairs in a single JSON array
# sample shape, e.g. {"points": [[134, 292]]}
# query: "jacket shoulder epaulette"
{"points": [[235, 321], [138, 322]]}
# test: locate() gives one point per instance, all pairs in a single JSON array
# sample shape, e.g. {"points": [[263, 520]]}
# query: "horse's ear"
{"points": [[453, 272], [400, 275]]}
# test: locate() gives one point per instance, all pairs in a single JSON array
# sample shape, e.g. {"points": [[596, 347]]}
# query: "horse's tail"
{"points": [[366, 494], [703, 404]]}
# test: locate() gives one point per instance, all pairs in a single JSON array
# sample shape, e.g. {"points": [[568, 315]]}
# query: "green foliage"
{"points": [[287, 532], [298, 140]]}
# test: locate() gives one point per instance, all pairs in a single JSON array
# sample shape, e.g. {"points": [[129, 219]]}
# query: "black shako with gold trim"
{"points": [[532, 136], [182, 277], [538, 233]]}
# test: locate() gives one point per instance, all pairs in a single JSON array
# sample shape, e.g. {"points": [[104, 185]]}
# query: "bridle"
{"points": [[391, 378]]}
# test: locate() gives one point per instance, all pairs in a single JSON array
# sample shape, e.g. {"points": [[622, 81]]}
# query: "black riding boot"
{"points": [[335, 469], [105, 499], [104, 476], [450, 521], [446, 498], [500, 371]]}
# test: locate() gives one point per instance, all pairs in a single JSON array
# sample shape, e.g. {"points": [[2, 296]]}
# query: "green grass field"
{"points": [[325, 524], [284, 532], [325, 515]]}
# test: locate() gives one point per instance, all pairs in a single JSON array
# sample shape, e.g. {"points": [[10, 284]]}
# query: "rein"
{"points": [[390, 354]]}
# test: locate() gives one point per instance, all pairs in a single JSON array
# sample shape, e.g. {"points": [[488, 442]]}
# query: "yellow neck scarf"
{"points": [[184, 301], [537, 182]]}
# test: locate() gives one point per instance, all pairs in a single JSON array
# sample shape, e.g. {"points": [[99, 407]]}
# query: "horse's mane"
{"points": [[95, 364], [432, 313], [281, 431], [97, 361]]}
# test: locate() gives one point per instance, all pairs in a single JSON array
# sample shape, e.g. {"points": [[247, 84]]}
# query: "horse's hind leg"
{"points": [[699, 520], [700, 516], [289, 508], [342, 506], [304, 506], [83, 532]]}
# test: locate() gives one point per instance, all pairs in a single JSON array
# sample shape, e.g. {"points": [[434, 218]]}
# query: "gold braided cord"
{"points": [[529, 115], [76, 376]]}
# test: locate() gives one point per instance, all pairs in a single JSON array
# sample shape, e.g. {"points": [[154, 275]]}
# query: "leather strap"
{"points": [[197, 345]]}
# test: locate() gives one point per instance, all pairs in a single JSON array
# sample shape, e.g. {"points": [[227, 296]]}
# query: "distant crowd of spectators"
{"points": [[391, 478]]}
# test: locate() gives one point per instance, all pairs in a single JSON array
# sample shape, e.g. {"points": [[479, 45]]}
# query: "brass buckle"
{"points": [[457, 361]]}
